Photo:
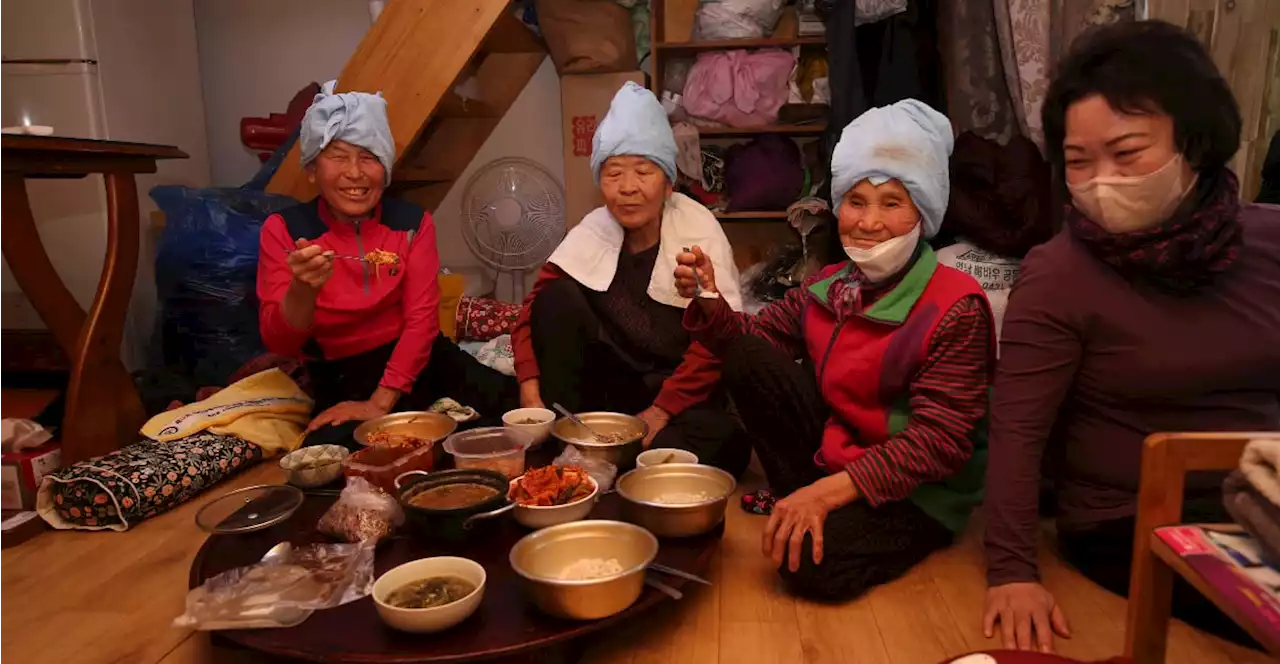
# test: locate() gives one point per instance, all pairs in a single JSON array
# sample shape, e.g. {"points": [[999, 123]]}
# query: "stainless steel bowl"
{"points": [[643, 488], [540, 559], [426, 425], [630, 430]]}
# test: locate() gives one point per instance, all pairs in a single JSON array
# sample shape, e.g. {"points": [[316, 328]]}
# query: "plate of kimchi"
{"points": [[552, 495]]}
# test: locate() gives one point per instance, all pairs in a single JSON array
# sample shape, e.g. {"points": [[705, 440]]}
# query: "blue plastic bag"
{"points": [[206, 271]]}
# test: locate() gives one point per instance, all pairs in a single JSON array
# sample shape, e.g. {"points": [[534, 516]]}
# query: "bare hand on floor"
{"points": [[1028, 614]]}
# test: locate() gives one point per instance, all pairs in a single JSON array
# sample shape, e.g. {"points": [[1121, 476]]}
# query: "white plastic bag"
{"points": [[870, 11], [602, 472], [283, 590], [736, 19], [21, 435]]}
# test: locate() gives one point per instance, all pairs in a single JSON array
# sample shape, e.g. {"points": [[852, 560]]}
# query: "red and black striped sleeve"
{"points": [[948, 399], [778, 323]]}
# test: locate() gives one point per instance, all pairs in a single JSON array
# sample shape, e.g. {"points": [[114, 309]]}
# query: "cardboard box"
{"points": [[584, 100], [21, 472]]}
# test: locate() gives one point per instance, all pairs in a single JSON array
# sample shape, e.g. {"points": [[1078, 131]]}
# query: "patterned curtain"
{"points": [[1032, 35], [977, 93], [1022, 27]]}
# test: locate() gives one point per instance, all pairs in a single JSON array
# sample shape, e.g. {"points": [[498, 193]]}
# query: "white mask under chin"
{"points": [[887, 258]]}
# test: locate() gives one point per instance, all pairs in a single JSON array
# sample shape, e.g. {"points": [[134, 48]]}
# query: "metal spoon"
{"points": [[350, 258], [663, 588], [574, 418], [278, 553], [678, 573]]}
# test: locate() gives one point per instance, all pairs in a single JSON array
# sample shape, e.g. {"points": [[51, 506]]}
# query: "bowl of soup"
{"points": [[451, 504], [429, 594]]}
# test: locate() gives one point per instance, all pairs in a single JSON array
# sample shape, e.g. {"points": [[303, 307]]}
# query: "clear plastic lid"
{"points": [[486, 442], [249, 509]]}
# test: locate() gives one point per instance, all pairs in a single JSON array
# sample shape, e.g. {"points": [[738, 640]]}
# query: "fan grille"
{"points": [[512, 214]]}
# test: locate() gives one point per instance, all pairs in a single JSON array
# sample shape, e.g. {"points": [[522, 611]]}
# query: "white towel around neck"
{"points": [[589, 252]]}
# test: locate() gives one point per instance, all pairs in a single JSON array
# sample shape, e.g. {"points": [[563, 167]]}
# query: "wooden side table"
{"points": [[103, 407], [1166, 460]]}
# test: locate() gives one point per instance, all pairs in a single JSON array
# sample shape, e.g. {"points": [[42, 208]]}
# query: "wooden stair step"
{"points": [[413, 55]]}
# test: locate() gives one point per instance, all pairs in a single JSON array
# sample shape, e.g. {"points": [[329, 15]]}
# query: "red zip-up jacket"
{"points": [[361, 307], [691, 384]]}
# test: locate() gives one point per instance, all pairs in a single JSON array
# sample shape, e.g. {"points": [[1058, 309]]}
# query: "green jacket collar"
{"points": [[894, 306]]}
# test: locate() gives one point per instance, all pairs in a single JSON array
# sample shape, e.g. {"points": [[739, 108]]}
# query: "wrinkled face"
{"points": [[870, 215], [1101, 141], [349, 178], [634, 190]]}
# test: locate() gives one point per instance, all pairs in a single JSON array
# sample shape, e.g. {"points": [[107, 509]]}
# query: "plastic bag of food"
{"points": [[363, 513], [283, 590], [602, 472]]}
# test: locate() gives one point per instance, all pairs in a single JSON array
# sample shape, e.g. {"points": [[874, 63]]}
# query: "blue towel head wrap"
{"points": [[635, 125], [358, 118], [906, 141]]}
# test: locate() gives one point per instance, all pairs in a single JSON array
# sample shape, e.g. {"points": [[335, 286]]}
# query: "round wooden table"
{"points": [[505, 625]]}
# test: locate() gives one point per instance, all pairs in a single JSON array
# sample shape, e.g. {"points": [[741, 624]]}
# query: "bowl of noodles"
{"points": [[552, 495], [410, 428], [584, 570]]}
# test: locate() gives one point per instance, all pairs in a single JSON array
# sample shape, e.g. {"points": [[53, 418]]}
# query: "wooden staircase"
{"points": [[416, 54]]}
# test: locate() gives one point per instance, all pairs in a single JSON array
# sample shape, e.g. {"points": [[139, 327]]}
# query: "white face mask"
{"points": [[1124, 204], [887, 258]]}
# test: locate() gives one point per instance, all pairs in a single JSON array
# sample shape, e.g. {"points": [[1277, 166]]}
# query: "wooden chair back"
{"points": [[1166, 460]]}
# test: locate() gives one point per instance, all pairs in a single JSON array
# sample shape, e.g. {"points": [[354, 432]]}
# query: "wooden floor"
{"points": [[100, 598]]}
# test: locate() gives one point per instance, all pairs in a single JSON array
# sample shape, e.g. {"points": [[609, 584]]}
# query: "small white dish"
{"points": [[309, 467], [540, 430], [436, 618], [660, 455]]}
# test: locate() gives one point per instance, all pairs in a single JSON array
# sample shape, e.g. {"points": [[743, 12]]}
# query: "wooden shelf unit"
{"points": [[753, 233]]}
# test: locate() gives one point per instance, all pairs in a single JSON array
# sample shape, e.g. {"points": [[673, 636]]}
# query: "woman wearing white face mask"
{"points": [[875, 438], [1158, 309]]}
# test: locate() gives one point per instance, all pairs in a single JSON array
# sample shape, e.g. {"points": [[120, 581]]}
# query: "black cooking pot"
{"points": [[452, 524]]}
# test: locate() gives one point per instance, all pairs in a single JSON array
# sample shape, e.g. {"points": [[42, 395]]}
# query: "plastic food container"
{"points": [[492, 448], [381, 465]]}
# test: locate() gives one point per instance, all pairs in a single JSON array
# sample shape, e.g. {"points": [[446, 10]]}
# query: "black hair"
{"points": [[1148, 66]]}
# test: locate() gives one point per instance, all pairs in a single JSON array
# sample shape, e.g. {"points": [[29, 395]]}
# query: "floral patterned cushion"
{"points": [[483, 319], [142, 480]]}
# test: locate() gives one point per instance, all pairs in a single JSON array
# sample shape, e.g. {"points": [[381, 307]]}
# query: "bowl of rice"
{"points": [[676, 499], [584, 570]]}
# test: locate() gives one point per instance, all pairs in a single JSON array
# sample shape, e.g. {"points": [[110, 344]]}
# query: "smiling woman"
{"points": [[1157, 309], [601, 328], [371, 336]]}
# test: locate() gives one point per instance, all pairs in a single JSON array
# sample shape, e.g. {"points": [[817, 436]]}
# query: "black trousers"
{"points": [[1104, 554], [864, 546], [450, 372], [583, 370]]}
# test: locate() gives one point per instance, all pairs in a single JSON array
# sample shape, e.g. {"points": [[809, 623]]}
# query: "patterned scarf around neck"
{"points": [[1182, 255]]}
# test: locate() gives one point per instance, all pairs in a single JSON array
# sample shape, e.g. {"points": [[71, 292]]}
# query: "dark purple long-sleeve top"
{"points": [[1091, 364]]}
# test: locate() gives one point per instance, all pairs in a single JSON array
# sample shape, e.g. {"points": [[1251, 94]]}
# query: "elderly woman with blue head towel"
{"points": [[601, 329], [875, 438], [349, 282]]}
